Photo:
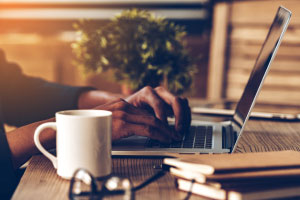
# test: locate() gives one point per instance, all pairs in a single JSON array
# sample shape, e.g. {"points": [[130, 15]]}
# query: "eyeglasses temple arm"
{"points": [[149, 180]]}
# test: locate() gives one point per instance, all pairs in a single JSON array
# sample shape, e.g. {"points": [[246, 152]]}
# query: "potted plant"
{"points": [[140, 48]]}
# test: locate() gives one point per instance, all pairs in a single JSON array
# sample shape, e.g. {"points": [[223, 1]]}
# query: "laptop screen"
{"points": [[261, 67]]}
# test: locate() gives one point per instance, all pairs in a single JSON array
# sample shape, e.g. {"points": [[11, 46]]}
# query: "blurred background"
{"points": [[225, 36], [38, 35]]}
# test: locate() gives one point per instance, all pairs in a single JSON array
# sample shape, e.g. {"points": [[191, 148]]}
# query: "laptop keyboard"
{"points": [[198, 137]]}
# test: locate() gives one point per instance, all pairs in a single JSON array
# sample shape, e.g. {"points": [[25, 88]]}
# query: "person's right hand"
{"points": [[128, 120]]}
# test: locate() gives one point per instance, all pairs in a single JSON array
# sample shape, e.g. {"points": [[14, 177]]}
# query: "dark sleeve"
{"points": [[8, 179], [27, 99]]}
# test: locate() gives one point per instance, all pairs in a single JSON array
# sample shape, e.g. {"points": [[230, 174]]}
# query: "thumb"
{"points": [[2, 57]]}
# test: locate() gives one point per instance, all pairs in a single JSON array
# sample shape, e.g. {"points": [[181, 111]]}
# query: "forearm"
{"points": [[21, 142], [93, 98], [45, 98]]}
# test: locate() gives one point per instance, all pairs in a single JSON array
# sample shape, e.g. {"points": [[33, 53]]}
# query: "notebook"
{"points": [[276, 190], [261, 175], [240, 162], [222, 137]]}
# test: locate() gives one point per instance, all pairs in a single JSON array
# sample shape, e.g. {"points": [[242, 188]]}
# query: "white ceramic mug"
{"points": [[83, 140]]}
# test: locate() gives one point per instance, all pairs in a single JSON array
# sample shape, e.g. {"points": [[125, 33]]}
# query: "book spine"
{"points": [[201, 189]]}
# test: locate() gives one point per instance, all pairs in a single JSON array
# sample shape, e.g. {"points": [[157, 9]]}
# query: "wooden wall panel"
{"points": [[258, 34], [262, 12], [217, 57], [248, 27], [283, 66], [282, 97]]}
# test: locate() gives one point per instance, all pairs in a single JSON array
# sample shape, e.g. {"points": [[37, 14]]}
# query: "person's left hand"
{"points": [[163, 104]]}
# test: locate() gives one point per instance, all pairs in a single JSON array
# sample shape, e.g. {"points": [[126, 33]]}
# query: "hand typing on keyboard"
{"points": [[163, 104], [145, 113]]}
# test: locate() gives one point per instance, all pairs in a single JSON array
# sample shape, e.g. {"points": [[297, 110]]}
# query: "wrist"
{"points": [[21, 142], [92, 98]]}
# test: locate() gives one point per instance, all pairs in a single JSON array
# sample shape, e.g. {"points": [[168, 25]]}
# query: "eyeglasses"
{"points": [[83, 186]]}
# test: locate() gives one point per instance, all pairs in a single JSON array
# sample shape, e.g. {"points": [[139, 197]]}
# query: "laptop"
{"points": [[221, 137]]}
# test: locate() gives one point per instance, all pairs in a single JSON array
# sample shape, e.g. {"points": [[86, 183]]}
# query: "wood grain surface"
{"points": [[41, 182]]}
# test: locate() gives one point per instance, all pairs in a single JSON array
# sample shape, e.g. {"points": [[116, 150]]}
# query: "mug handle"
{"points": [[38, 144]]}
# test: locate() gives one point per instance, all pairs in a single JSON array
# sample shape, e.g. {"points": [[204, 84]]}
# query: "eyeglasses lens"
{"points": [[123, 185], [83, 187]]}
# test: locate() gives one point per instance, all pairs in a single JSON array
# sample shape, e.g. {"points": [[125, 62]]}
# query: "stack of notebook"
{"points": [[265, 175]]}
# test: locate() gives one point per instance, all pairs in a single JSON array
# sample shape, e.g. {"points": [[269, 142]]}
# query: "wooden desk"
{"points": [[41, 182]]}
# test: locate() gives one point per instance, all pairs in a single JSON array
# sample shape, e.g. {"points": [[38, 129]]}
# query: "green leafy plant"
{"points": [[140, 48]]}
